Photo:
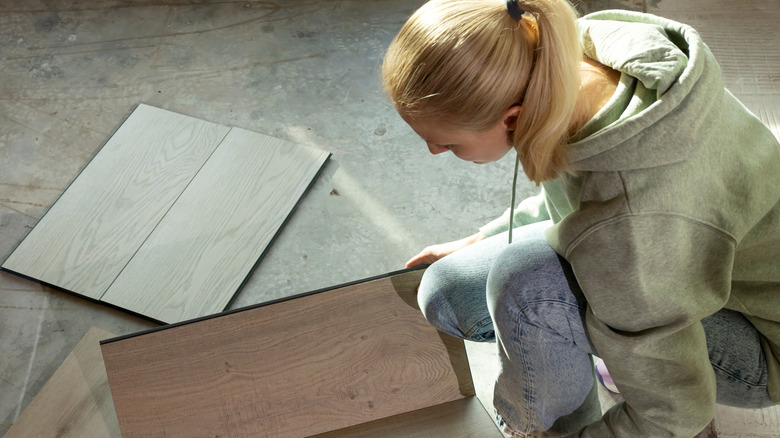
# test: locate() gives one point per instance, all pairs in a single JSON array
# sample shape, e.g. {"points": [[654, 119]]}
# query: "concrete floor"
{"points": [[305, 71]]}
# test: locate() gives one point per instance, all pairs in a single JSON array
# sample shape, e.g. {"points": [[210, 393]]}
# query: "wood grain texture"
{"points": [[88, 236], [211, 238], [170, 217], [465, 418], [405, 285], [76, 401], [295, 368]]}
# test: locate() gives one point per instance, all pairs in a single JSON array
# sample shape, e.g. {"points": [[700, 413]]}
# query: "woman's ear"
{"points": [[510, 117]]}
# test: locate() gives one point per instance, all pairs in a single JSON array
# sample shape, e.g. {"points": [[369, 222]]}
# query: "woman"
{"points": [[655, 242]]}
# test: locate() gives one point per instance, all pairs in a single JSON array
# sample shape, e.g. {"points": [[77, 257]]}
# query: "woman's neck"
{"points": [[598, 84]]}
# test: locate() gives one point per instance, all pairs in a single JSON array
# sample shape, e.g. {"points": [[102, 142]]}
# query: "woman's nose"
{"points": [[436, 149]]}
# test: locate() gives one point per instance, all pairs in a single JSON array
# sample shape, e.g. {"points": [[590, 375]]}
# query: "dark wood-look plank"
{"points": [[88, 236], [76, 401], [300, 367], [211, 238], [709, 431], [464, 418]]}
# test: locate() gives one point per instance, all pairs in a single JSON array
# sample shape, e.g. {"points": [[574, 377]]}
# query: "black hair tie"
{"points": [[514, 10]]}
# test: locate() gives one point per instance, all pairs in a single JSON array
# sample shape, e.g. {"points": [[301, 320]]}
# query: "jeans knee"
{"points": [[454, 302], [433, 298], [528, 282], [510, 280], [430, 292]]}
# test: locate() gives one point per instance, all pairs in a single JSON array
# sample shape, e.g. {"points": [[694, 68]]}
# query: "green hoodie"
{"points": [[672, 213]]}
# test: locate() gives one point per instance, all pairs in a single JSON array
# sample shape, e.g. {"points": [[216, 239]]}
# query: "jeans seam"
{"points": [[730, 374], [525, 310], [478, 327], [567, 303], [528, 391]]}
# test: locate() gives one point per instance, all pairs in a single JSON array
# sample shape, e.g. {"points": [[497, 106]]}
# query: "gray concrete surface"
{"points": [[302, 70]]}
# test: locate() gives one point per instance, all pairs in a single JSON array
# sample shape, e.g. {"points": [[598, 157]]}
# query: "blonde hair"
{"points": [[466, 62]]}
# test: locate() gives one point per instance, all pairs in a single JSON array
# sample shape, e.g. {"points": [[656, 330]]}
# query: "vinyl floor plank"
{"points": [[464, 418], [211, 238], [90, 233], [294, 368], [76, 401], [170, 216]]}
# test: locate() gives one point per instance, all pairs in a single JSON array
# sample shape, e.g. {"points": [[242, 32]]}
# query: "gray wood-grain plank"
{"points": [[296, 368], [90, 233], [208, 242], [170, 217]]}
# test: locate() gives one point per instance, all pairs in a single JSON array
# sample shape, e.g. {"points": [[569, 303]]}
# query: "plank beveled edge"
{"points": [[254, 306], [464, 418], [82, 297]]}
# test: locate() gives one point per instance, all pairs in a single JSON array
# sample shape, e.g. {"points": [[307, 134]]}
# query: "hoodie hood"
{"points": [[669, 65]]}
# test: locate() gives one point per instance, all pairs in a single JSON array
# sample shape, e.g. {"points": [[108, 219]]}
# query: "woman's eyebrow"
{"points": [[422, 138]]}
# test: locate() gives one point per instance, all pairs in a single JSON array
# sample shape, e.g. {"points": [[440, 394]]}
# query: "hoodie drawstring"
{"points": [[512, 206]]}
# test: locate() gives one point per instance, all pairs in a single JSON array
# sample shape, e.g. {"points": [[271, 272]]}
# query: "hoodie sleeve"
{"points": [[649, 280], [529, 211]]}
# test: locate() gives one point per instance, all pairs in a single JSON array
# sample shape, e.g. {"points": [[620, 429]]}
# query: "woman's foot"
{"points": [[505, 429], [603, 375]]}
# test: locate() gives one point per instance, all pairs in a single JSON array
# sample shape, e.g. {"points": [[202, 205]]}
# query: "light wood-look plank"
{"points": [[76, 401], [170, 217], [211, 238], [295, 368], [88, 236]]}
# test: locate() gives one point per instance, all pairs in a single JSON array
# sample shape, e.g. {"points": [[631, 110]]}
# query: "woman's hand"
{"points": [[434, 252]]}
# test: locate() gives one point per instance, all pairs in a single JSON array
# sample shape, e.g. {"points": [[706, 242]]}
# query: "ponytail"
{"points": [[549, 101]]}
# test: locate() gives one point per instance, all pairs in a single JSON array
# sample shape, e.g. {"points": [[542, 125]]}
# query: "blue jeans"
{"points": [[526, 298]]}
